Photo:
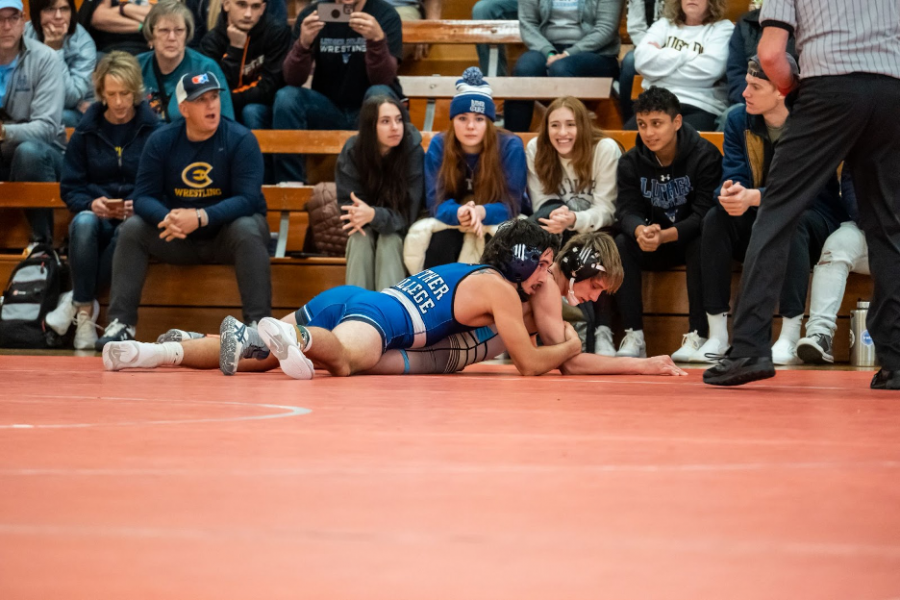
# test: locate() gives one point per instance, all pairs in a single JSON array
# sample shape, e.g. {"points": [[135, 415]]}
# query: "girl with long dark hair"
{"points": [[380, 183]]}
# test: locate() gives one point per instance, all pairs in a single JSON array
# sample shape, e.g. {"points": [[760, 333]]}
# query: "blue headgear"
{"points": [[521, 265], [578, 264]]}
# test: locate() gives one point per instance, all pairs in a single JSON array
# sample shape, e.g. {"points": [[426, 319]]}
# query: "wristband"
{"points": [[140, 26], [199, 220], [551, 53]]}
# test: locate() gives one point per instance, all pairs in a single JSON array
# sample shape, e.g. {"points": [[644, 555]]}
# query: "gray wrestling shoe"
{"points": [[179, 335], [281, 339], [237, 341]]}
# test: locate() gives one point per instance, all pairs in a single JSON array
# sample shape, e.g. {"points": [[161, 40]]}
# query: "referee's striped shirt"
{"points": [[836, 37]]}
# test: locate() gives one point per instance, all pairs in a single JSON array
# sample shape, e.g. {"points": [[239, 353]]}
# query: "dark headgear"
{"points": [[522, 263]]}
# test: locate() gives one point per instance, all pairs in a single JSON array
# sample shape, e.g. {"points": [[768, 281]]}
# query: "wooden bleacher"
{"points": [[179, 296]]}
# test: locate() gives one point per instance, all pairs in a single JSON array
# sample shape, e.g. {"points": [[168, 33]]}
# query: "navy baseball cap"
{"points": [[194, 85]]}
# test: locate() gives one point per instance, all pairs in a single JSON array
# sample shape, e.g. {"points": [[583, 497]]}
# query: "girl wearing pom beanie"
{"points": [[475, 175]]}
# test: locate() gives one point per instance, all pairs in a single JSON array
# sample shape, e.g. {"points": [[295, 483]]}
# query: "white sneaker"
{"points": [[633, 345], [711, 348], [690, 344], [281, 339], [60, 318], [785, 353], [85, 331], [130, 355], [603, 342]]}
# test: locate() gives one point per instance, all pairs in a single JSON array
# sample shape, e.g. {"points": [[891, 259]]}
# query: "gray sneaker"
{"points": [[815, 349], [179, 335], [237, 341]]}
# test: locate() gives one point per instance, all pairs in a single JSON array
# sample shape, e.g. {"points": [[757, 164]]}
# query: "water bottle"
{"points": [[862, 349]]}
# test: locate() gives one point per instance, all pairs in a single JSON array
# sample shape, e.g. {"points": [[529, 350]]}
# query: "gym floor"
{"points": [[185, 484]]}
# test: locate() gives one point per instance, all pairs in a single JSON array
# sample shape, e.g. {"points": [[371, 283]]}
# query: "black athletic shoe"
{"points": [[815, 349], [886, 380], [738, 371]]}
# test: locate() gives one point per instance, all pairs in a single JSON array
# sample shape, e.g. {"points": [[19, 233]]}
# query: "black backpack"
{"points": [[33, 291]]}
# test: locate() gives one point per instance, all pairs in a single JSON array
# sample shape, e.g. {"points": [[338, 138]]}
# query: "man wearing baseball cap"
{"points": [[32, 137], [752, 133], [197, 199]]}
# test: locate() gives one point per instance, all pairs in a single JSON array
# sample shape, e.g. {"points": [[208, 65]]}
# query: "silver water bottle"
{"points": [[862, 349]]}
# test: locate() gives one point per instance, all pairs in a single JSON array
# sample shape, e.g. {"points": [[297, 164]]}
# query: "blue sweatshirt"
{"points": [[193, 62], [515, 168], [223, 175]]}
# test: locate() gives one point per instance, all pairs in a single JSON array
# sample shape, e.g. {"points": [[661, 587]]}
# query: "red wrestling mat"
{"points": [[188, 485]]}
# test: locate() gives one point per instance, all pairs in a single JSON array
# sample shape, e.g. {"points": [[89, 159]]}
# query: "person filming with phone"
{"points": [[356, 48]]}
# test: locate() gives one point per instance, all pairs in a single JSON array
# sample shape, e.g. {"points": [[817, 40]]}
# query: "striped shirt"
{"points": [[837, 37]]}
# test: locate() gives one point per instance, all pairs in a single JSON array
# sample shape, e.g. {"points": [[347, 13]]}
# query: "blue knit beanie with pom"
{"points": [[473, 95]]}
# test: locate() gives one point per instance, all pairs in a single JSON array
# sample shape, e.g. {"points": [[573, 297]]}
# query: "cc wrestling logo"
{"points": [[196, 175]]}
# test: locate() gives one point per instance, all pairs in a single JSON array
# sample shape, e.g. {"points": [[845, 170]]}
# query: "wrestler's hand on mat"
{"points": [[662, 365], [357, 215]]}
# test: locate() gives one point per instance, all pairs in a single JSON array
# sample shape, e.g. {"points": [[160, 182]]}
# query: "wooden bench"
{"points": [[507, 88], [468, 32]]}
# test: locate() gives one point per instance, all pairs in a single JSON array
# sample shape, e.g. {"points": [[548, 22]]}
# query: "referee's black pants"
{"points": [[848, 116]]}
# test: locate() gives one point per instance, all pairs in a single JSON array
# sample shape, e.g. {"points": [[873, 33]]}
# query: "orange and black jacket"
{"points": [[254, 71]]}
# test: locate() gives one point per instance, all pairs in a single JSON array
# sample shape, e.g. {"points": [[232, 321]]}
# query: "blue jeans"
{"points": [[92, 241], [71, 117], [305, 109], [626, 85], [492, 10], [534, 64], [35, 161]]}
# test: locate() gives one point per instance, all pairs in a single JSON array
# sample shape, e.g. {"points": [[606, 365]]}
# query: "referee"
{"points": [[847, 107]]}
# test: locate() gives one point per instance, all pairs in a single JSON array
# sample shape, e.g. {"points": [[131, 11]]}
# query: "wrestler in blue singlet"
{"points": [[415, 313]]}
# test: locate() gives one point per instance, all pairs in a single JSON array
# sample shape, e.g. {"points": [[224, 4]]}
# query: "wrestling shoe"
{"points": [[237, 341], [179, 335], [738, 371], [709, 352], [603, 341], [690, 344], [815, 349], [114, 332], [129, 355], [281, 339], [785, 353], [633, 345], [886, 380]]}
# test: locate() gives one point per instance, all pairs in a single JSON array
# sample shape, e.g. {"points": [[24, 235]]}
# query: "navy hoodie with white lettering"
{"points": [[675, 196]]}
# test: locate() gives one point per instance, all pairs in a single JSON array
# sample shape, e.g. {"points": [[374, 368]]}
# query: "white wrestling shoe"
{"points": [[129, 355], [281, 339]]}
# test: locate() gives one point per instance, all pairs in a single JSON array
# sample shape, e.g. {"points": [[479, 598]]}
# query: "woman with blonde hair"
{"points": [[572, 171], [686, 52], [475, 174], [98, 176]]}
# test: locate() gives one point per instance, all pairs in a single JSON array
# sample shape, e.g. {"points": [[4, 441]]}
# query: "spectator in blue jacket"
{"points": [[751, 135], [474, 175], [169, 27], [197, 199], [99, 171], [54, 24], [741, 48]]}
